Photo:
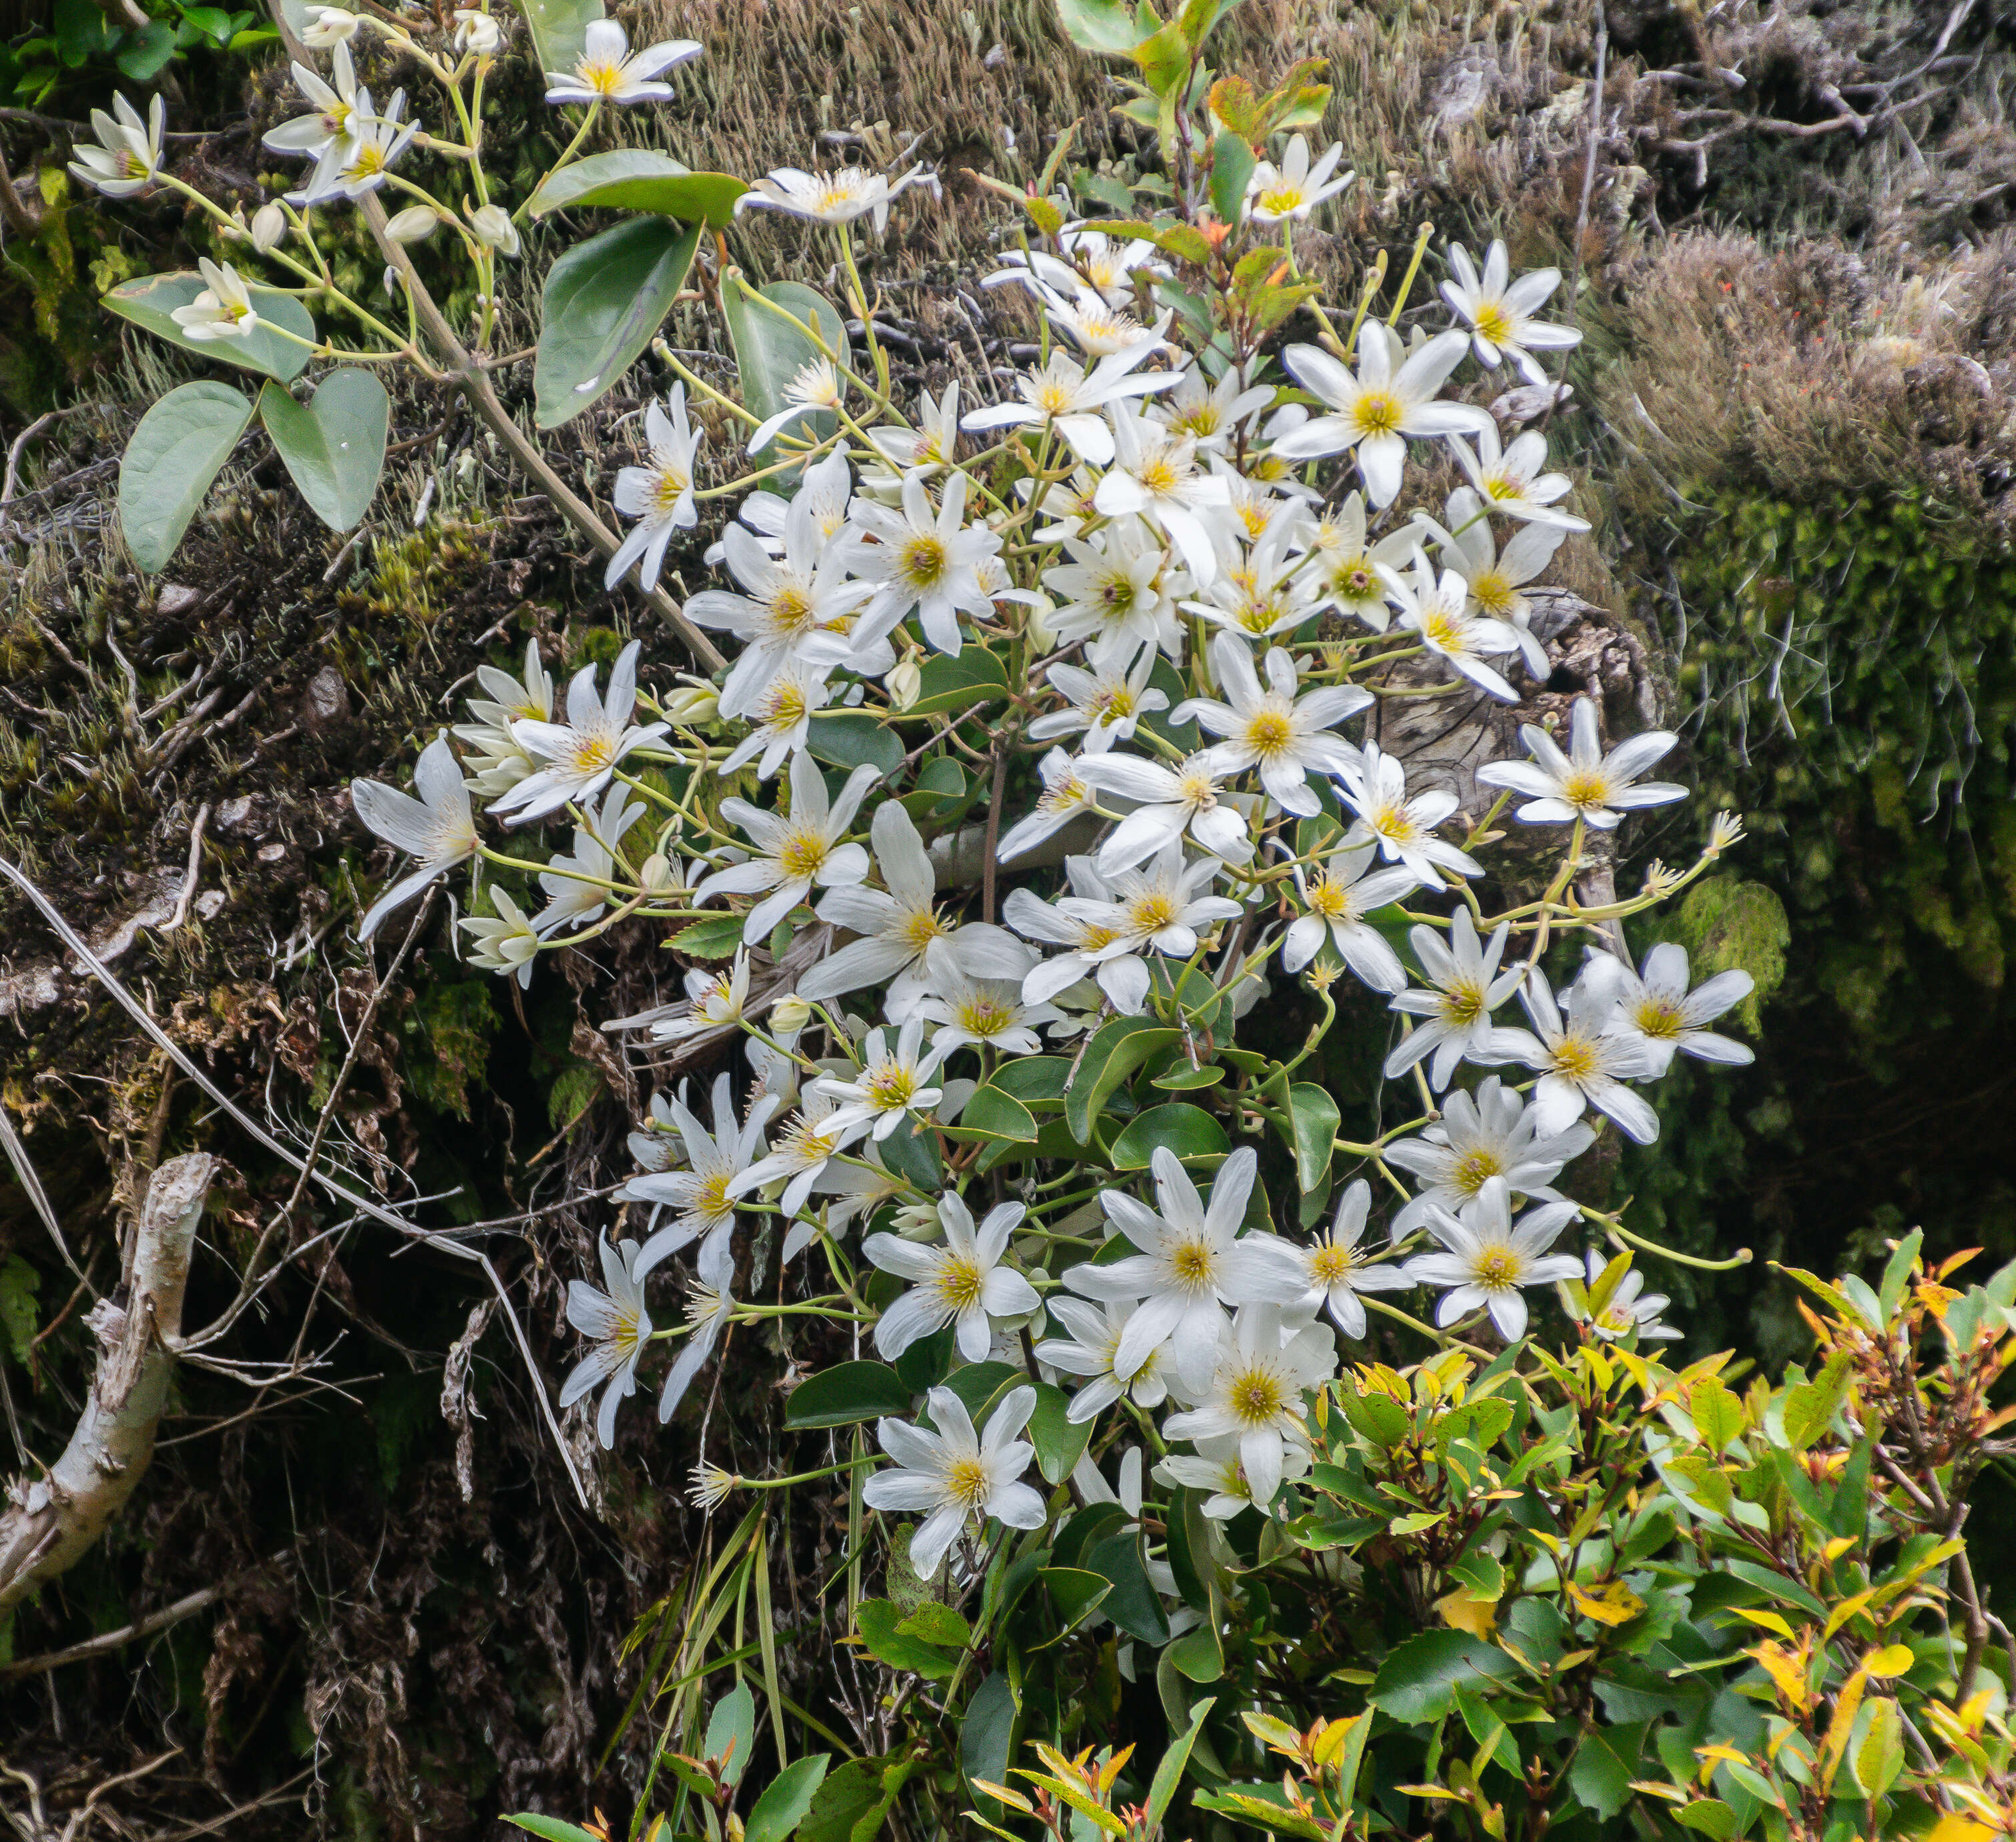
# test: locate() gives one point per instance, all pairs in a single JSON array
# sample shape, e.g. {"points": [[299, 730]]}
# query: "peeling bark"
{"points": [[49, 1523]]}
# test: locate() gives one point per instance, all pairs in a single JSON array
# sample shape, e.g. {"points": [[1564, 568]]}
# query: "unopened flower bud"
{"points": [[657, 874], [692, 704], [328, 26], [269, 228], [790, 1015], [413, 223], [905, 678], [493, 228], [476, 30]]}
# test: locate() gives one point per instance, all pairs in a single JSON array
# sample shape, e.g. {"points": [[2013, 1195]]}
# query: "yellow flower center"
{"points": [[784, 707], [890, 1085], [1443, 628], [711, 1195], [597, 73], [1474, 1169], [984, 1017], [1658, 1017], [1498, 1269], [1330, 900], [1191, 1263], [1095, 935], [592, 753], [1377, 412], [1119, 594], [1053, 397], [1396, 824], [803, 856], [1256, 1397], [957, 1283], [1501, 487], [1269, 732], [1576, 1058], [966, 1484], [919, 930], [1494, 320], [1278, 200], [1157, 476], [1111, 706], [1152, 912], [1494, 593], [1463, 1003], [1330, 1266], [924, 560], [791, 608], [368, 162], [1358, 581], [1586, 789], [668, 487], [625, 1332]]}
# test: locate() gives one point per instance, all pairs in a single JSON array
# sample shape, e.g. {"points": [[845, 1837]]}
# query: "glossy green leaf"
{"points": [[1110, 26], [848, 738], [1035, 1081], [1184, 1079], [176, 451], [995, 1117], [987, 1734], [1120, 1047], [716, 937], [1075, 1592], [786, 1799], [1060, 1444], [876, 1621], [1169, 1768], [1315, 1116], [333, 446], [636, 179], [1188, 1131], [151, 301], [731, 1732], [846, 1395], [1417, 1680], [604, 299], [552, 1828], [1133, 1605], [1232, 164], [770, 350], [559, 29], [976, 678], [980, 1385], [935, 1623]]}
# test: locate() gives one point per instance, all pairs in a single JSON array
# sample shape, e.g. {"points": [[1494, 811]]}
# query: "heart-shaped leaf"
{"points": [[558, 30], [151, 302], [604, 299], [636, 179], [177, 450], [770, 351], [334, 447]]}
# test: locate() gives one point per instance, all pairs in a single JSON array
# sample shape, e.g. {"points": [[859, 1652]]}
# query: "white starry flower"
{"points": [[1091, 1351], [1487, 1258], [578, 757], [1292, 191], [1654, 1006], [1084, 923], [1210, 413], [1066, 794], [1154, 475], [1583, 1059], [659, 494], [1374, 786], [1466, 988], [782, 716], [1495, 577], [1499, 311], [500, 763], [656, 1147], [899, 923], [1107, 702], [1215, 1469], [702, 1196], [609, 71], [1192, 1266], [1269, 593], [1285, 737], [793, 854], [618, 1328], [1168, 803], [838, 197], [1512, 480], [503, 943], [807, 1143], [928, 561], [360, 160], [709, 1307], [129, 153], [894, 1082], [1584, 783], [931, 445], [437, 830], [1629, 1307], [1337, 1269], [1439, 608], [1344, 891], [1350, 571], [1392, 396], [1493, 1133], [989, 1013], [954, 1476], [1101, 328], [1063, 395], [962, 1283], [1091, 259], [334, 103], [223, 310], [815, 387], [714, 1000], [577, 882], [1263, 1372], [1117, 592]]}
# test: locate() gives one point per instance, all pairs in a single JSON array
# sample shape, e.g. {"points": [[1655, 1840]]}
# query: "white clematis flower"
{"points": [[1337, 1269], [1065, 397], [609, 71], [1493, 1133], [1263, 1370], [577, 882], [1284, 736], [223, 310], [831, 198], [1584, 783], [1374, 786], [129, 153], [438, 829], [1439, 608], [1154, 475], [1499, 311], [1091, 1351], [709, 1306], [1467, 987], [1292, 191], [1169, 802], [1583, 1058], [578, 757], [1654, 1006], [927, 561], [954, 1476], [1338, 897], [793, 854], [893, 1083], [962, 1283], [1513, 480], [1066, 794], [1487, 1258], [1107, 702], [659, 494], [702, 1196], [618, 1328]]}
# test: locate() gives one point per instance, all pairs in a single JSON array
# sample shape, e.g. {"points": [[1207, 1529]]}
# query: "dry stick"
{"points": [[474, 381], [172, 1614], [412, 1231], [60, 1516]]}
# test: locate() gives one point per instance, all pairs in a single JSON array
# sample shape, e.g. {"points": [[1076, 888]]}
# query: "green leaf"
{"points": [[877, 1621], [786, 1799], [1119, 1048], [1188, 1131], [1182, 1079], [1381, 1418], [1109, 26], [333, 446], [848, 1801], [847, 738], [1164, 61], [1133, 1605], [715, 938], [770, 350], [731, 1732], [1710, 1816], [987, 1733], [1263, 1813], [1603, 1768], [151, 301], [636, 179], [1897, 1273], [553, 1829], [1716, 1413], [980, 1384], [180, 446], [1315, 1117], [1034, 1080], [1232, 164], [1417, 1680], [992, 1116], [911, 1151], [152, 47], [18, 1284], [1169, 1768], [966, 683], [1199, 1655], [1810, 1406], [604, 299], [1880, 1756], [933, 1623], [559, 29], [1075, 1591], [1060, 1444], [845, 1395]]}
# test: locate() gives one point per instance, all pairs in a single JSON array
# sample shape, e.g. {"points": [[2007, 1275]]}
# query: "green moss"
{"points": [[449, 1030]]}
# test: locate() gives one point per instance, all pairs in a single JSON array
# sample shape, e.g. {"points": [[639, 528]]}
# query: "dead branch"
{"points": [[53, 1522]]}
